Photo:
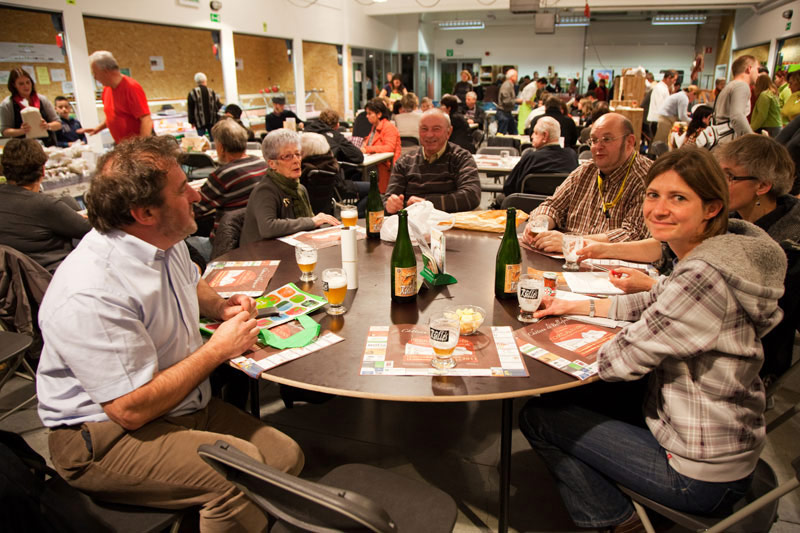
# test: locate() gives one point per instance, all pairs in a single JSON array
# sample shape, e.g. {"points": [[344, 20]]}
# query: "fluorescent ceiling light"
{"points": [[671, 20], [566, 21], [461, 25], [379, 1]]}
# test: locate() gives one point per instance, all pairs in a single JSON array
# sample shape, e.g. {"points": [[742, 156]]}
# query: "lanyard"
{"points": [[608, 205]]}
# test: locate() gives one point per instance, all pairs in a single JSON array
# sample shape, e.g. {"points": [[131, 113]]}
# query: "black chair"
{"points": [[545, 184], [200, 165], [524, 147], [254, 145], [498, 150], [756, 512], [12, 355], [477, 137], [228, 232], [586, 155], [658, 148], [408, 141], [510, 142], [336, 502], [525, 202]]}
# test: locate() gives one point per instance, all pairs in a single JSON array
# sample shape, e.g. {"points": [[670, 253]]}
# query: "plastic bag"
{"points": [[423, 216]]}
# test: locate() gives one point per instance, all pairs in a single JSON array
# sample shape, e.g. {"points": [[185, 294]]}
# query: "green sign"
{"points": [[788, 26], [214, 17], [449, 52], [264, 26]]}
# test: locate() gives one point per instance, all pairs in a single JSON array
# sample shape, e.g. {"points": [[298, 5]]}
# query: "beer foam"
{"points": [[335, 282]]}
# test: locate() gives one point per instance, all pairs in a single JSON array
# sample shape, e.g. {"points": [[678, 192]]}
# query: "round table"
{"points": [[335, 370]]}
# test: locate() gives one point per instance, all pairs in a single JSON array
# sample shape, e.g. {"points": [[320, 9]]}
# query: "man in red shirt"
{"points": [[124, 101]]}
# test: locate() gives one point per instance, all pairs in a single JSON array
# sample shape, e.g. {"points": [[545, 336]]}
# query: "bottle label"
{"points": [[512, 278], [375, 221], [405, 281]]}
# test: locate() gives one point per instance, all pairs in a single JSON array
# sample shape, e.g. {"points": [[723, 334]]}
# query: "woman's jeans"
{"points": [[588, 453]]}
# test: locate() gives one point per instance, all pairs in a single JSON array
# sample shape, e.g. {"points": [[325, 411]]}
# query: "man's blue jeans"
{"points": [[505, 122], [588, 453]]}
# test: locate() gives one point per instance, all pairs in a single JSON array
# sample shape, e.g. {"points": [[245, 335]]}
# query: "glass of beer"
{"points": [[570, 245], [334, 288], [530, 291], [306, 257], [444, 329], [537, 225], [349, 215]]}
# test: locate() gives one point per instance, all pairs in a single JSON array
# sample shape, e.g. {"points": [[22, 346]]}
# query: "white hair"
{"points": [[104, 60], [550, 126], [200, 78], [276, 140], [313, 144], [472, 94], [437, 112]]}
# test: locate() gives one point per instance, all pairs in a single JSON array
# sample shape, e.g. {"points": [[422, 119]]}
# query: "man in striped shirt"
{"points": [[439, 171], [601, 199], [230, 185]]}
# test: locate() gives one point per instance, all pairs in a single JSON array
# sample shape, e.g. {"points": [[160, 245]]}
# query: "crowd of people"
{"points": [[719, 219]]}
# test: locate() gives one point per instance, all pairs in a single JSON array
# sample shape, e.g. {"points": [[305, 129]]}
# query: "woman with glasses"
{"points": [[279, 204], [696, 338]]}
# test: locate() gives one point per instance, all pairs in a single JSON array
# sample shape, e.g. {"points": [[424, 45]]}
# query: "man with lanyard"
{"points": [[601, 200]]}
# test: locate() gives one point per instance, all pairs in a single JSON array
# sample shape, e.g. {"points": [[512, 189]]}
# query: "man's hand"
{"points": [[549, 241], [236, 304], [234, 336], [324, 218], [394, 203], [414, 199], [630, 280]]}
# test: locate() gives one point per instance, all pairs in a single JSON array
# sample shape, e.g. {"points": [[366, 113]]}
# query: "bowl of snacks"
{"points": [[471, 317]]}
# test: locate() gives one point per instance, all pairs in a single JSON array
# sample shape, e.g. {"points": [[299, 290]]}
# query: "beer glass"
{"points": [[349, 215], [537, 225], [444, 329], [306, 257], [334, 288], [570, 246], [530, 292]]}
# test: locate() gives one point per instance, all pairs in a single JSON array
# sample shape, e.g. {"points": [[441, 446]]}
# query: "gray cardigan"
{"points": [[270, 214], [7, 112]]}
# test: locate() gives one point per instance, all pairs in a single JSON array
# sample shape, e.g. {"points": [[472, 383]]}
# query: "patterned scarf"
{"points": [[291, 188]]}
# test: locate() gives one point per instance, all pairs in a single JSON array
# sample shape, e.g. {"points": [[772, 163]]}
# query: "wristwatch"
{"points": [[591, 308]]}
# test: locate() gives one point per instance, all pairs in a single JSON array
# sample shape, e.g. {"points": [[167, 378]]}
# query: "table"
{"points": [[372, 160], [471, 259], [495, 164]]}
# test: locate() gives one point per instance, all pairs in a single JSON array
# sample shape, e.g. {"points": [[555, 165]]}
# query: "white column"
{"points": [[299, 77], [227, 57], [347, 75], [82, 80]]}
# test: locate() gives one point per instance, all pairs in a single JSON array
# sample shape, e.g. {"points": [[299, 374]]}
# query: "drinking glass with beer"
{"points": [[530, 292], [444, 330], [306, 257], [334, 288], [349, 215], [537, 225]]}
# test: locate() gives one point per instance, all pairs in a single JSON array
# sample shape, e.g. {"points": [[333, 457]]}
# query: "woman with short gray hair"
{"points": [[279, 205]]}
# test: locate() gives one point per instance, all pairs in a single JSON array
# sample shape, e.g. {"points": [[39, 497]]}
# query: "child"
{"points": [[71, 130]]}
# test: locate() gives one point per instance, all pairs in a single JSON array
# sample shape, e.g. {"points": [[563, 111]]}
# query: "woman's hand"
{"points": [[630, 280], [324, 218], [554, 307], [26, 128], [594, 250]]}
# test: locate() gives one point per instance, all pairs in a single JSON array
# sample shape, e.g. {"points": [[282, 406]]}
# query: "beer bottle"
{"points": [[509, 260], [404, 264], [374, 208]]}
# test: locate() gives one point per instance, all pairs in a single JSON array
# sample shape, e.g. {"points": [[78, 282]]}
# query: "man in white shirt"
{"points": [[733, 103], [659, 95]]}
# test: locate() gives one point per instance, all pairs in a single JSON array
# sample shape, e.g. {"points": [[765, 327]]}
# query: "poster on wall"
{"points": [[721, 72], [4, 74], [603, 74], [30, 70], [58, 74], [30, 53], [156, 63]]}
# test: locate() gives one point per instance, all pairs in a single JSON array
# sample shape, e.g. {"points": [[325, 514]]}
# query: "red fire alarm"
{"points": [[60, 40]]}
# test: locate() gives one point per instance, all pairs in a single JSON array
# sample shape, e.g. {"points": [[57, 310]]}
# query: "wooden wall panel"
{"points": [[265, 63], [321, 70], [24, 26], [760, 52], [185, 52]]}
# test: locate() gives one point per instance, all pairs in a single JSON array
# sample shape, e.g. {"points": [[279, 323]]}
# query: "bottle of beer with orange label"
{"points": [[509, 260], [374, 208], [403, 264]]}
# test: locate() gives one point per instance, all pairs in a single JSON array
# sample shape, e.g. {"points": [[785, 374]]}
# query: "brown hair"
{"points": [[701, 172], [23, 161], [763, 158], [132, 175], [764, 83], [14, 75], [329, 117], [741, 64], [410, 102]]}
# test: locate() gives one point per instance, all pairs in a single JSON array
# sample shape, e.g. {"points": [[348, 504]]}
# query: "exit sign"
{"points": [[214, 17], [449, 52], [708, 49], [788, 26]]}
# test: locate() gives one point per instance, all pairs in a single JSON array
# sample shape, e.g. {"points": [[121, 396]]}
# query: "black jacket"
{"points": [[550, 159], [462, 134], [343, 150], [480, 114], [568, 129], [320, 187]]}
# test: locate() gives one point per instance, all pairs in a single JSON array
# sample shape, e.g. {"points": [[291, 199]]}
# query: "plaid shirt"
{"points": [[699, 331], [576, 205]]}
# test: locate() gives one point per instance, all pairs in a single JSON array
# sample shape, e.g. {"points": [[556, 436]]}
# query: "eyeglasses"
{"points": [[288, 157], [732, 178], [603, 141]]}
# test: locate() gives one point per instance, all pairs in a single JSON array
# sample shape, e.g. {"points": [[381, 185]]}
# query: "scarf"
{"points": [[33, 100], [290, 188]]}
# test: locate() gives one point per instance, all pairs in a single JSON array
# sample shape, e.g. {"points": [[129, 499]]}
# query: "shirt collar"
{"points": [[435, 156], [619, 172], [137, 248]]}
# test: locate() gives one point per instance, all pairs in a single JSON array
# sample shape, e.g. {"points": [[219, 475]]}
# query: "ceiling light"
{"points": [[566, 21], [461, 25], [671, 20]]}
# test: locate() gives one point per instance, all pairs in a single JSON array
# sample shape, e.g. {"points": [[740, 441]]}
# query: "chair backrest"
{"points": [[254, 146], [512, 142], [658, 148], [477, 137], [529, 148], [525, 202], [586, 155], [497, 150], [408, 141], [304, 504], [198, 160], [228, 232], [542, 183]]}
